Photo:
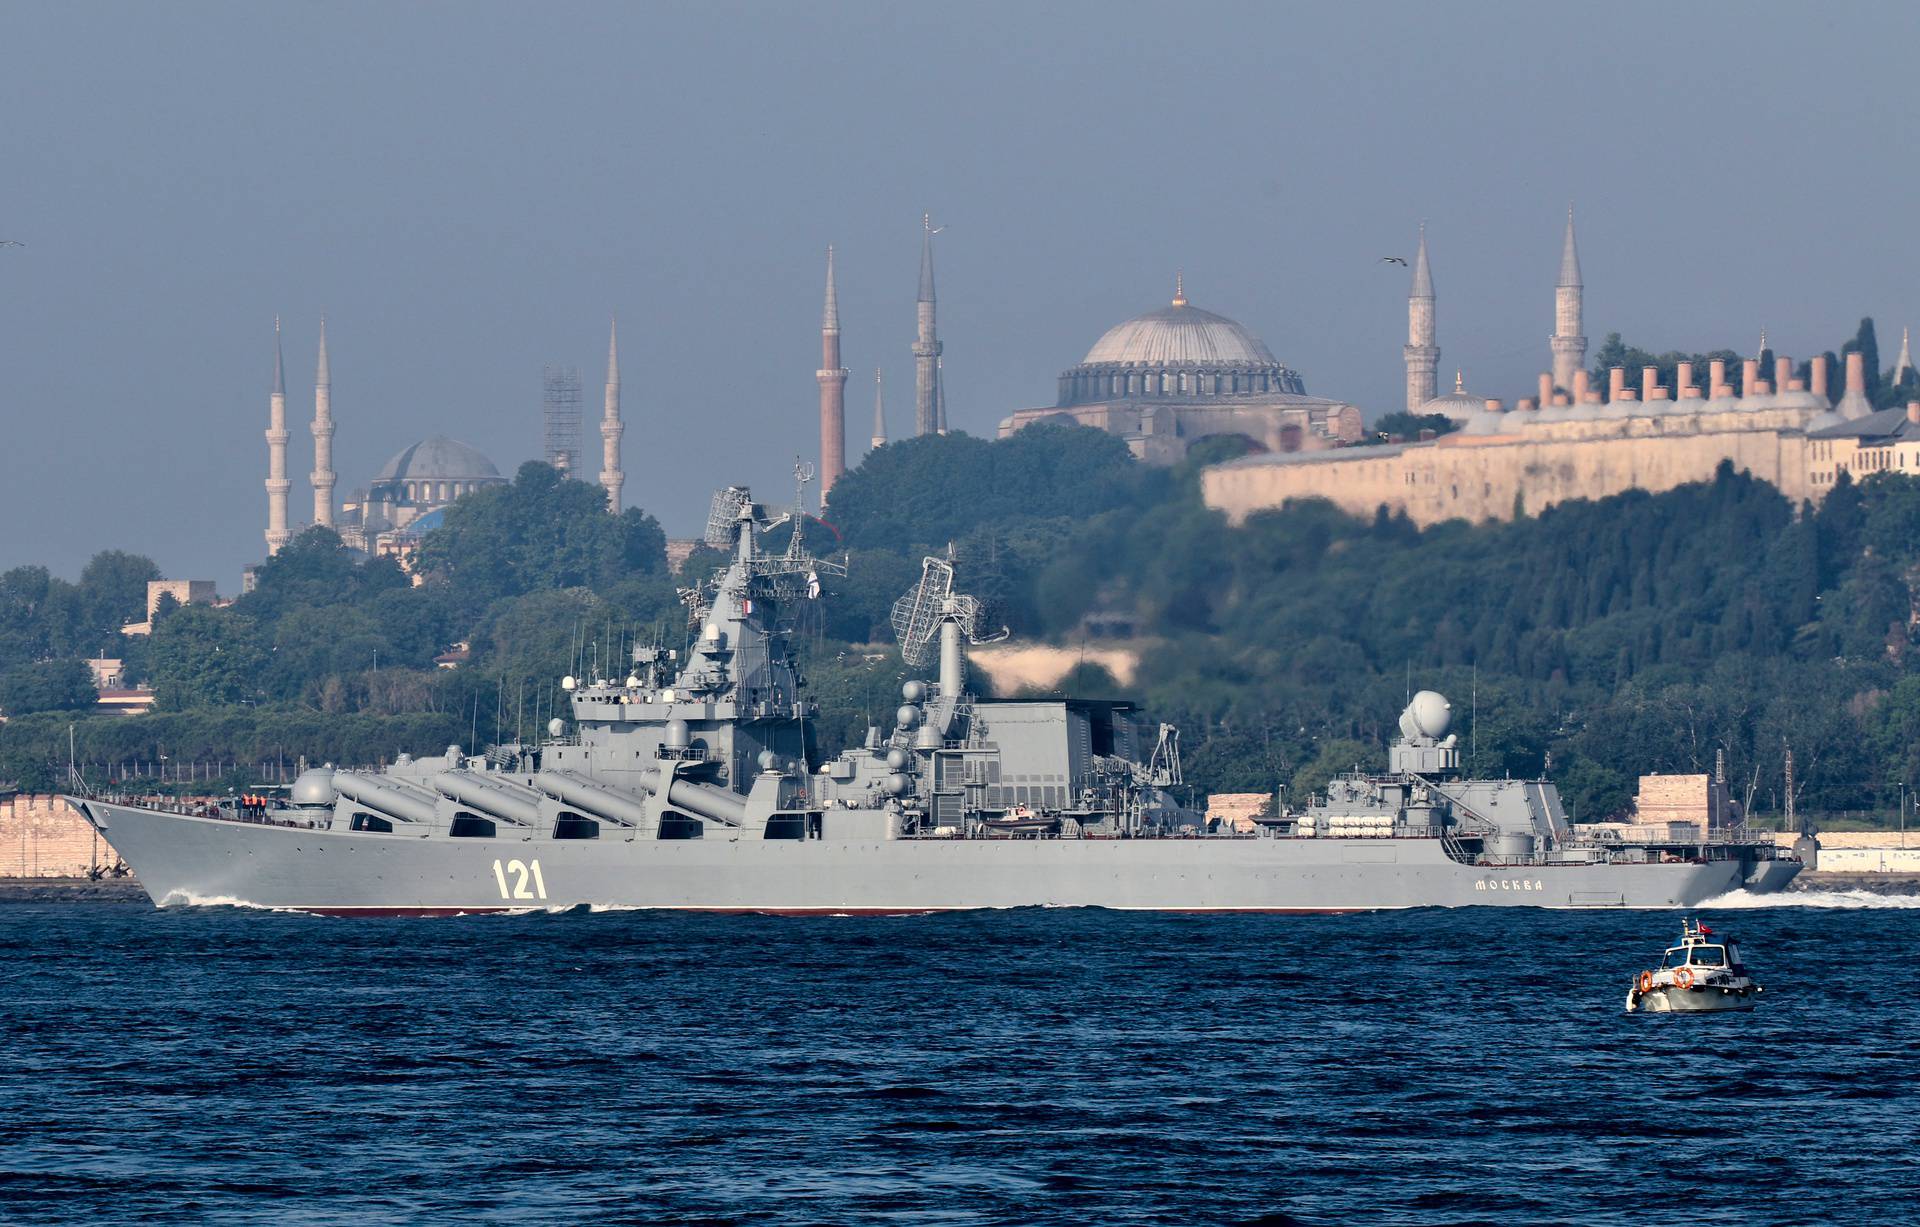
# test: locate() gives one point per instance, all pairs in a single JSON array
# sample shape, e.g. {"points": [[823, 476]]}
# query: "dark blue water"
{"points": [[1026, 1067]]}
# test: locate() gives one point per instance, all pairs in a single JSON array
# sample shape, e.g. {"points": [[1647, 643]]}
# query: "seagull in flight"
{"points": [[1393, 260]]}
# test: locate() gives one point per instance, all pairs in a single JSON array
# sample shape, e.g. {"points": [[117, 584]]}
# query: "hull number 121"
{"points": [[525, 878]]}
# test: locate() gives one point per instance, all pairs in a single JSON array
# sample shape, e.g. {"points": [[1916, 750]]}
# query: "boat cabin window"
{"points": [[1699, 956], [363, 821]]}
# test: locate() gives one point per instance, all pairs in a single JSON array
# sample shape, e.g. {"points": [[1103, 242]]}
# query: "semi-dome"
{"points": [[439, 458]]}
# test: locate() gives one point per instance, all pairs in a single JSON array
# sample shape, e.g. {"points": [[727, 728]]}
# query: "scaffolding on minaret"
{"points": [[560, 405]]}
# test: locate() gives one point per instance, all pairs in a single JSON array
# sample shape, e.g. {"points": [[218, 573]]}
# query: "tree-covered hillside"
{"points": [[1593, 642], [1596, 641]]}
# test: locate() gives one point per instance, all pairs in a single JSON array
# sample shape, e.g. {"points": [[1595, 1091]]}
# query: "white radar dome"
{"points": [[1428, 715], [314, 787]]}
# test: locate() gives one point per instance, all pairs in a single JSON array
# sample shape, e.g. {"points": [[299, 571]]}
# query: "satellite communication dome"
{"points": [[556, 726], [1428, 715]]}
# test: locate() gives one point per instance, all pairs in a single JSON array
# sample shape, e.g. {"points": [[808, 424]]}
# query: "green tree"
{"points": [[47, 685], [206, 657], [113, 591], [539, 532], [1408, 425]]}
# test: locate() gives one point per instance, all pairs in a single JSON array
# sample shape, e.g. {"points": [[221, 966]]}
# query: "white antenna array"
{"points": [[918, 614], [724, 514]]}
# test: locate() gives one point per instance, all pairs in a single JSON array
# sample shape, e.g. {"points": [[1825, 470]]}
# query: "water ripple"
{"points": [[1042, 1067]]}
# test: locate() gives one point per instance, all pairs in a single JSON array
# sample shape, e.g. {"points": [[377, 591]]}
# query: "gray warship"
{"points": [[690, 783]]}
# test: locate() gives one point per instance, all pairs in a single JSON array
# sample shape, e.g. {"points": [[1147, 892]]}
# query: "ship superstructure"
{"points": [[692, 782]]}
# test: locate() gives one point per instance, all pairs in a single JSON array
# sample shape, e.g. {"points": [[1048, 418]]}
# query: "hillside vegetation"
{"points": [[1593, 642]]}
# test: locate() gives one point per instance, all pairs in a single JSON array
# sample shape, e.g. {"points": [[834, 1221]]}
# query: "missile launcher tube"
{"points": [[487, 798], [383, 797], [592, 797]]}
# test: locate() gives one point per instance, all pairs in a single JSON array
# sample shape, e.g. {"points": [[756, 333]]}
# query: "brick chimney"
{"points": [[1616, 382], [1580, 386], [1782, 371], [1913, 412], [1749, 375], [1683, 376], [1819, 386], [1717, 377]]}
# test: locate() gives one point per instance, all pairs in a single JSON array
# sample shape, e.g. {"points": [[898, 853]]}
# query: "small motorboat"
{"points": [[1702, 974], [1022, 821]]}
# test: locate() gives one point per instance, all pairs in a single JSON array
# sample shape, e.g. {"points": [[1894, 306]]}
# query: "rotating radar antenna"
{"points": [[724, 515], [917, 615]]}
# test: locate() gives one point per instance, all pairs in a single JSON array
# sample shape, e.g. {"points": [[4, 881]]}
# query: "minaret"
{"points": [[277, 483], [926, 345], [1904, 363], [940, 395], [1569, 339], [1423, 355], [611, 428], [323, 437], [833, 391], [879, 412]]}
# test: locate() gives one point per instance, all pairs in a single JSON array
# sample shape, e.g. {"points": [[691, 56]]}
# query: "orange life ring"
{"points": [[1646, 982], [1683, 978]]}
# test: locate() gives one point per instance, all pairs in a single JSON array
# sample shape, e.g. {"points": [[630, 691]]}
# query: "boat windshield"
{"points": [[1699, 956]]}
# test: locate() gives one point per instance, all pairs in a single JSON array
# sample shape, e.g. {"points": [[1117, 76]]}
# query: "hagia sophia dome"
{"points": [[1165, 379], [1177, 351], [1178, 335]]}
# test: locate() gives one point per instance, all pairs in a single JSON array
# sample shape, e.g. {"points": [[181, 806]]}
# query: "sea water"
{"points": [[225, 1065]]}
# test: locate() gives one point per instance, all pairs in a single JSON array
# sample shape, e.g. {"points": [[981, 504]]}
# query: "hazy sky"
{"points": [[469, 191]]}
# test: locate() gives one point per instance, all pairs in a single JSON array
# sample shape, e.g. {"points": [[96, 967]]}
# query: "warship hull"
{"points": [[186, 860]]}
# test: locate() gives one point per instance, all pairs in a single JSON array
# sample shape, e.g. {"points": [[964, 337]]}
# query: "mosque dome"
{"points": [[432, 473], [1458, 404], [440, 459], [1180, 335], [1178, 353]]}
